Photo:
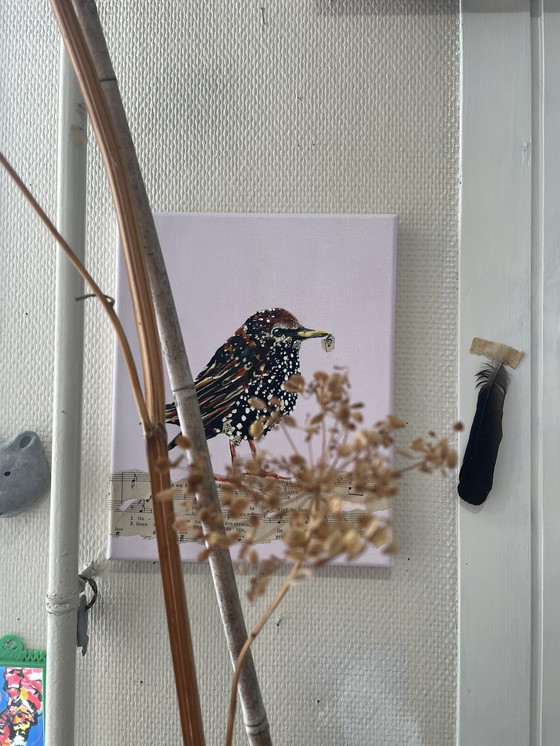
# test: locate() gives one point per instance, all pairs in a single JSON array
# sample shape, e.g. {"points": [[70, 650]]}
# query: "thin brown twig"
{"points": [[324, 455], [288, 437], [245, 649], [310, 454], [411, 467], [97, 292]]}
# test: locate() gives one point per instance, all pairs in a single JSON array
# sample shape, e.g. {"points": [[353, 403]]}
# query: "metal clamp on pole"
{"points": [[82, 637]]}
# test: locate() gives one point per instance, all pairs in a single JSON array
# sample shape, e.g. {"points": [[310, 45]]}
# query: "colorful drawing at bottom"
{"points": [[22, 677], [260, 298]]}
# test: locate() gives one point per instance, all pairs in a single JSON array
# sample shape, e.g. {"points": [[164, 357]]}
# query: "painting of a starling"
{"points": [[252, 364], [324, 284]]}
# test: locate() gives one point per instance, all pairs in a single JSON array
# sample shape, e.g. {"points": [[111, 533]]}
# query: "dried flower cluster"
{"points": [[325, 502]]}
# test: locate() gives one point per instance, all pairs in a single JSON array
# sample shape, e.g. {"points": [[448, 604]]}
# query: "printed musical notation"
{"points": [[131, 513]]}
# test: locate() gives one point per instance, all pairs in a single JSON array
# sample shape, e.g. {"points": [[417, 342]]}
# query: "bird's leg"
{"points": [[264, 473], [253, 447], [233, 454]]}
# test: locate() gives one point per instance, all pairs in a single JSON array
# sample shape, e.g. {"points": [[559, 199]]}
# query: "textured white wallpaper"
{"points": [[329, 106]]}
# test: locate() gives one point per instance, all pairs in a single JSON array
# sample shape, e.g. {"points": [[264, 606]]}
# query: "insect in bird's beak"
{"points": [[309, 333]]}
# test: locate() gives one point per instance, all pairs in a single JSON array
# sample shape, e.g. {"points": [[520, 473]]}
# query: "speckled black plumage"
{"points": [[254, 362]]}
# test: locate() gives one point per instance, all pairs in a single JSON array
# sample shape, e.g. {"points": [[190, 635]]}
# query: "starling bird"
{"points": [[254, 363]]}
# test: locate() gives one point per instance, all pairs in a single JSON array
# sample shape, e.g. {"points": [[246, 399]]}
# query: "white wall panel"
{"points": [[331, 106], [546, 555], [496, 303]]}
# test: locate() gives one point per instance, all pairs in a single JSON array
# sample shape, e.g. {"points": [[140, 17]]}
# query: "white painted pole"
{"points": [[63, 588]]}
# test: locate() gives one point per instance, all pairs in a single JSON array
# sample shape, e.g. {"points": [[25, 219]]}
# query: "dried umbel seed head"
{"points": [[238, 506], [163, 465], [166, 495], [182, 525], [312, 504], [295, 384], [183, 442], [257, 428]]}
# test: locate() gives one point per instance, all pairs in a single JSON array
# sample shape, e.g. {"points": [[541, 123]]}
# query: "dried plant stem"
{"points": [[157, 444], [249, 641], [174, 593], [288, 437], [156, 438], [181, 380], [96, 290], [107, 133]]}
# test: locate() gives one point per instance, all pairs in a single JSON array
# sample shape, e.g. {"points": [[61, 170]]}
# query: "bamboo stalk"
{"points": [[171, 570], [182, 384]]}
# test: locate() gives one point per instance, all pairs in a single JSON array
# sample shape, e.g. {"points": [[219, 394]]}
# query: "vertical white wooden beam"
{"points": [[495, 282], [546, 679]]}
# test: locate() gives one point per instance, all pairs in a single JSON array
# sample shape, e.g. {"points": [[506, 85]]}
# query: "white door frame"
{"points": [[509, 291]]}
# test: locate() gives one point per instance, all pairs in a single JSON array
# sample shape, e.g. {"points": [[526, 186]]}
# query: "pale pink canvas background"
{"points": [[335, 273]]}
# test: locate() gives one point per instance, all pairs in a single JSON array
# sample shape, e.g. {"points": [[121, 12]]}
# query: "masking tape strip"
{"points": [[508, 355]]}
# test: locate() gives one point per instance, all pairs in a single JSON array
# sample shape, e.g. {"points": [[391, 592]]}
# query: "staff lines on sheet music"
{"points": [[131, 511]]}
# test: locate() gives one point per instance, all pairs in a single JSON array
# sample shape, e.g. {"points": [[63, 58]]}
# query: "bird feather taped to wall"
{"points": [[477, 472]]}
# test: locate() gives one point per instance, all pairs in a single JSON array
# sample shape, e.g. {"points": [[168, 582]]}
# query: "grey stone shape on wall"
{"points": [[24, 473]]}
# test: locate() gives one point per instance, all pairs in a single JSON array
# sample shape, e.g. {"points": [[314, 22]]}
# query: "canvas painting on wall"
{"points": [[333, 274]]}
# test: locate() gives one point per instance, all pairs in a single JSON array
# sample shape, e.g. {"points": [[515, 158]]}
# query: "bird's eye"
{"points": [[277, 332]]}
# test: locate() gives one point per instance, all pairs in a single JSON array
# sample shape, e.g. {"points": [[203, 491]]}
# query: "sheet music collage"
{"points": [[131, 514]]}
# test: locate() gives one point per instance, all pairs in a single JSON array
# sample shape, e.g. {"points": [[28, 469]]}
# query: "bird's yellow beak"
{"points": [[309, 333]]}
